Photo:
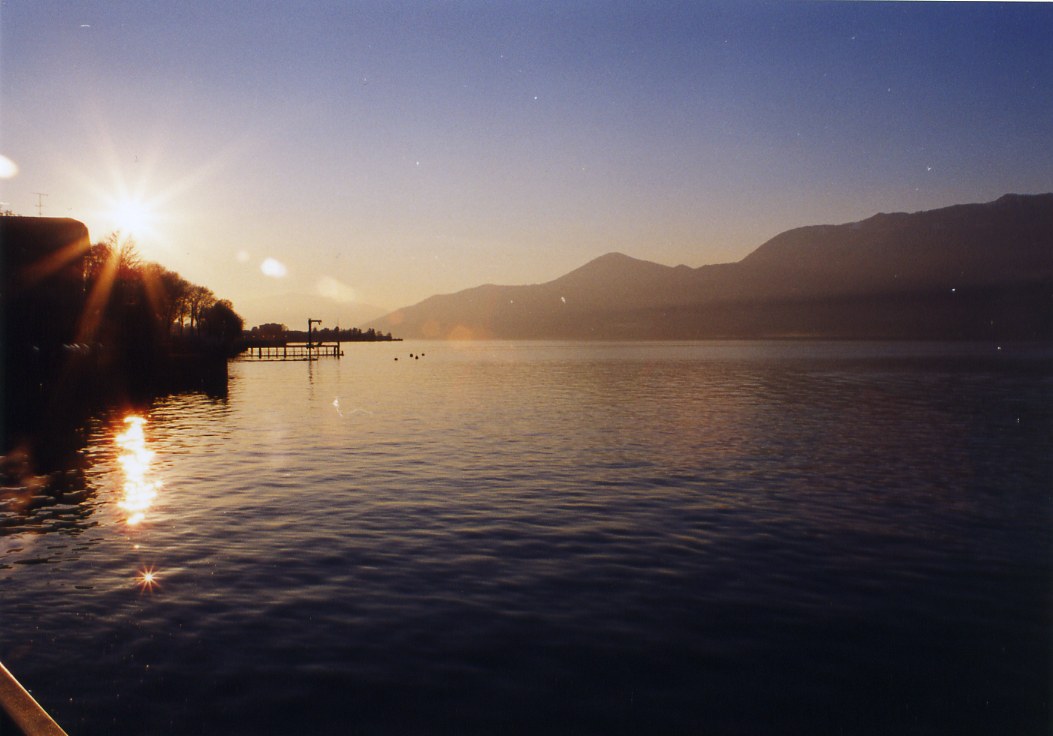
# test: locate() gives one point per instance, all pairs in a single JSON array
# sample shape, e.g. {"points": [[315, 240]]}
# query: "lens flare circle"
{"points": [[8, 168], [273, 267]]}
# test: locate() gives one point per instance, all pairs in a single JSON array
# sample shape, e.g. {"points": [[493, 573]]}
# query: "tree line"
{"points": [[134, 301], [141, 317], [274, 332]]}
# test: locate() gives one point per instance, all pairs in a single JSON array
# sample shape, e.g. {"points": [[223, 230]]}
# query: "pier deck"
{"points": [[292, 351]]}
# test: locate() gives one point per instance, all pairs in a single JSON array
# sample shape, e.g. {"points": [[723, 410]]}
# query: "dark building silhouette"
{"points": [[42, 262]]}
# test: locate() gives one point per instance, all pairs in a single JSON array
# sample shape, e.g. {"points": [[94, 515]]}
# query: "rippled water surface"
{"points": [[554, 538]]}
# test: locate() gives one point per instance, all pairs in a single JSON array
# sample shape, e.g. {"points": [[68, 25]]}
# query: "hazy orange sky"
{"points": [[301, 157]]}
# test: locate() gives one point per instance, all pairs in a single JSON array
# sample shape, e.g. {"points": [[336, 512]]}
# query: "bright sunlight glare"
{"points": [[147, 579], [139, 489], [132, 216]]}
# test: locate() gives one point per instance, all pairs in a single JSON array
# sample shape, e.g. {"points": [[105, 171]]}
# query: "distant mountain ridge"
{"points": [[963, 272]]}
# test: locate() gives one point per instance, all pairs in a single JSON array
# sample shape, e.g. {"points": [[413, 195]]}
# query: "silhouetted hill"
{"points": [[968, 271]]}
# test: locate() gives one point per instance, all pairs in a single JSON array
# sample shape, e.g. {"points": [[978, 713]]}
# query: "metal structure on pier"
{"points": [[309, 350]]}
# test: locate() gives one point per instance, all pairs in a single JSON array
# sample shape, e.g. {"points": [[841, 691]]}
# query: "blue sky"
{"points": [[382, 152]]}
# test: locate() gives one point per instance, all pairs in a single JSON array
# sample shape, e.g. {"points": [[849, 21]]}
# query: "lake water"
{"points": [[720, 538]]}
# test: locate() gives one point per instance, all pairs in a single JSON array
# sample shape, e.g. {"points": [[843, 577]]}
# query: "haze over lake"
{"points": [[564, 537]]}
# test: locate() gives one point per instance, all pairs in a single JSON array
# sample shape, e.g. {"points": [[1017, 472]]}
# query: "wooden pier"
{"points": [[292, 351], [20, 713]]}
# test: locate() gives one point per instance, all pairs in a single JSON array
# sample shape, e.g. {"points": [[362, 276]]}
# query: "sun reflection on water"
{"points": [[147, 579], [139, 490]]}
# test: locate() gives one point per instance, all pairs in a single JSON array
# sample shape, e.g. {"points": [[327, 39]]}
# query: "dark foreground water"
{"points": [[704, 538]]}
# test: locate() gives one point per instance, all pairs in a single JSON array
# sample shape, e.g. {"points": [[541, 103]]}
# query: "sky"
{"points": [[349, 158]]}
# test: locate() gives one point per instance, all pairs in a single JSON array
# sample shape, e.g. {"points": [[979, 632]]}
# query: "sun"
{"points": [[132, 216]]}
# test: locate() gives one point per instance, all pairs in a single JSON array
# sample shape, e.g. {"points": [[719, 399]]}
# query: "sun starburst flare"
{"points": [[133, 217], [147, 579]]}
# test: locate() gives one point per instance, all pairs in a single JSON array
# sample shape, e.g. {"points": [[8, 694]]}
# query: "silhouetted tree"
{"points": [[168, 293], [199, 300], [221, 321], [121, 256], [272, 330], [135, 305]]}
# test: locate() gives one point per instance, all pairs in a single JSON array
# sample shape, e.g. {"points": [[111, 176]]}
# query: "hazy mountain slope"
{"points": [[963, 271], [1001, 242]]}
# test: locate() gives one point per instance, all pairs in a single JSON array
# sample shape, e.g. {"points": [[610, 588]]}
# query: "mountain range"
{"points": [[970, 271]]}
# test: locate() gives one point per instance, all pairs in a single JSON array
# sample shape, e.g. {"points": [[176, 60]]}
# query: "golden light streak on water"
{"points": [[139, 490]]}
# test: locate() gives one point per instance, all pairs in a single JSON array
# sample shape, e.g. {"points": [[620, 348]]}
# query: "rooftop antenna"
{"points": [[40, 203]]}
